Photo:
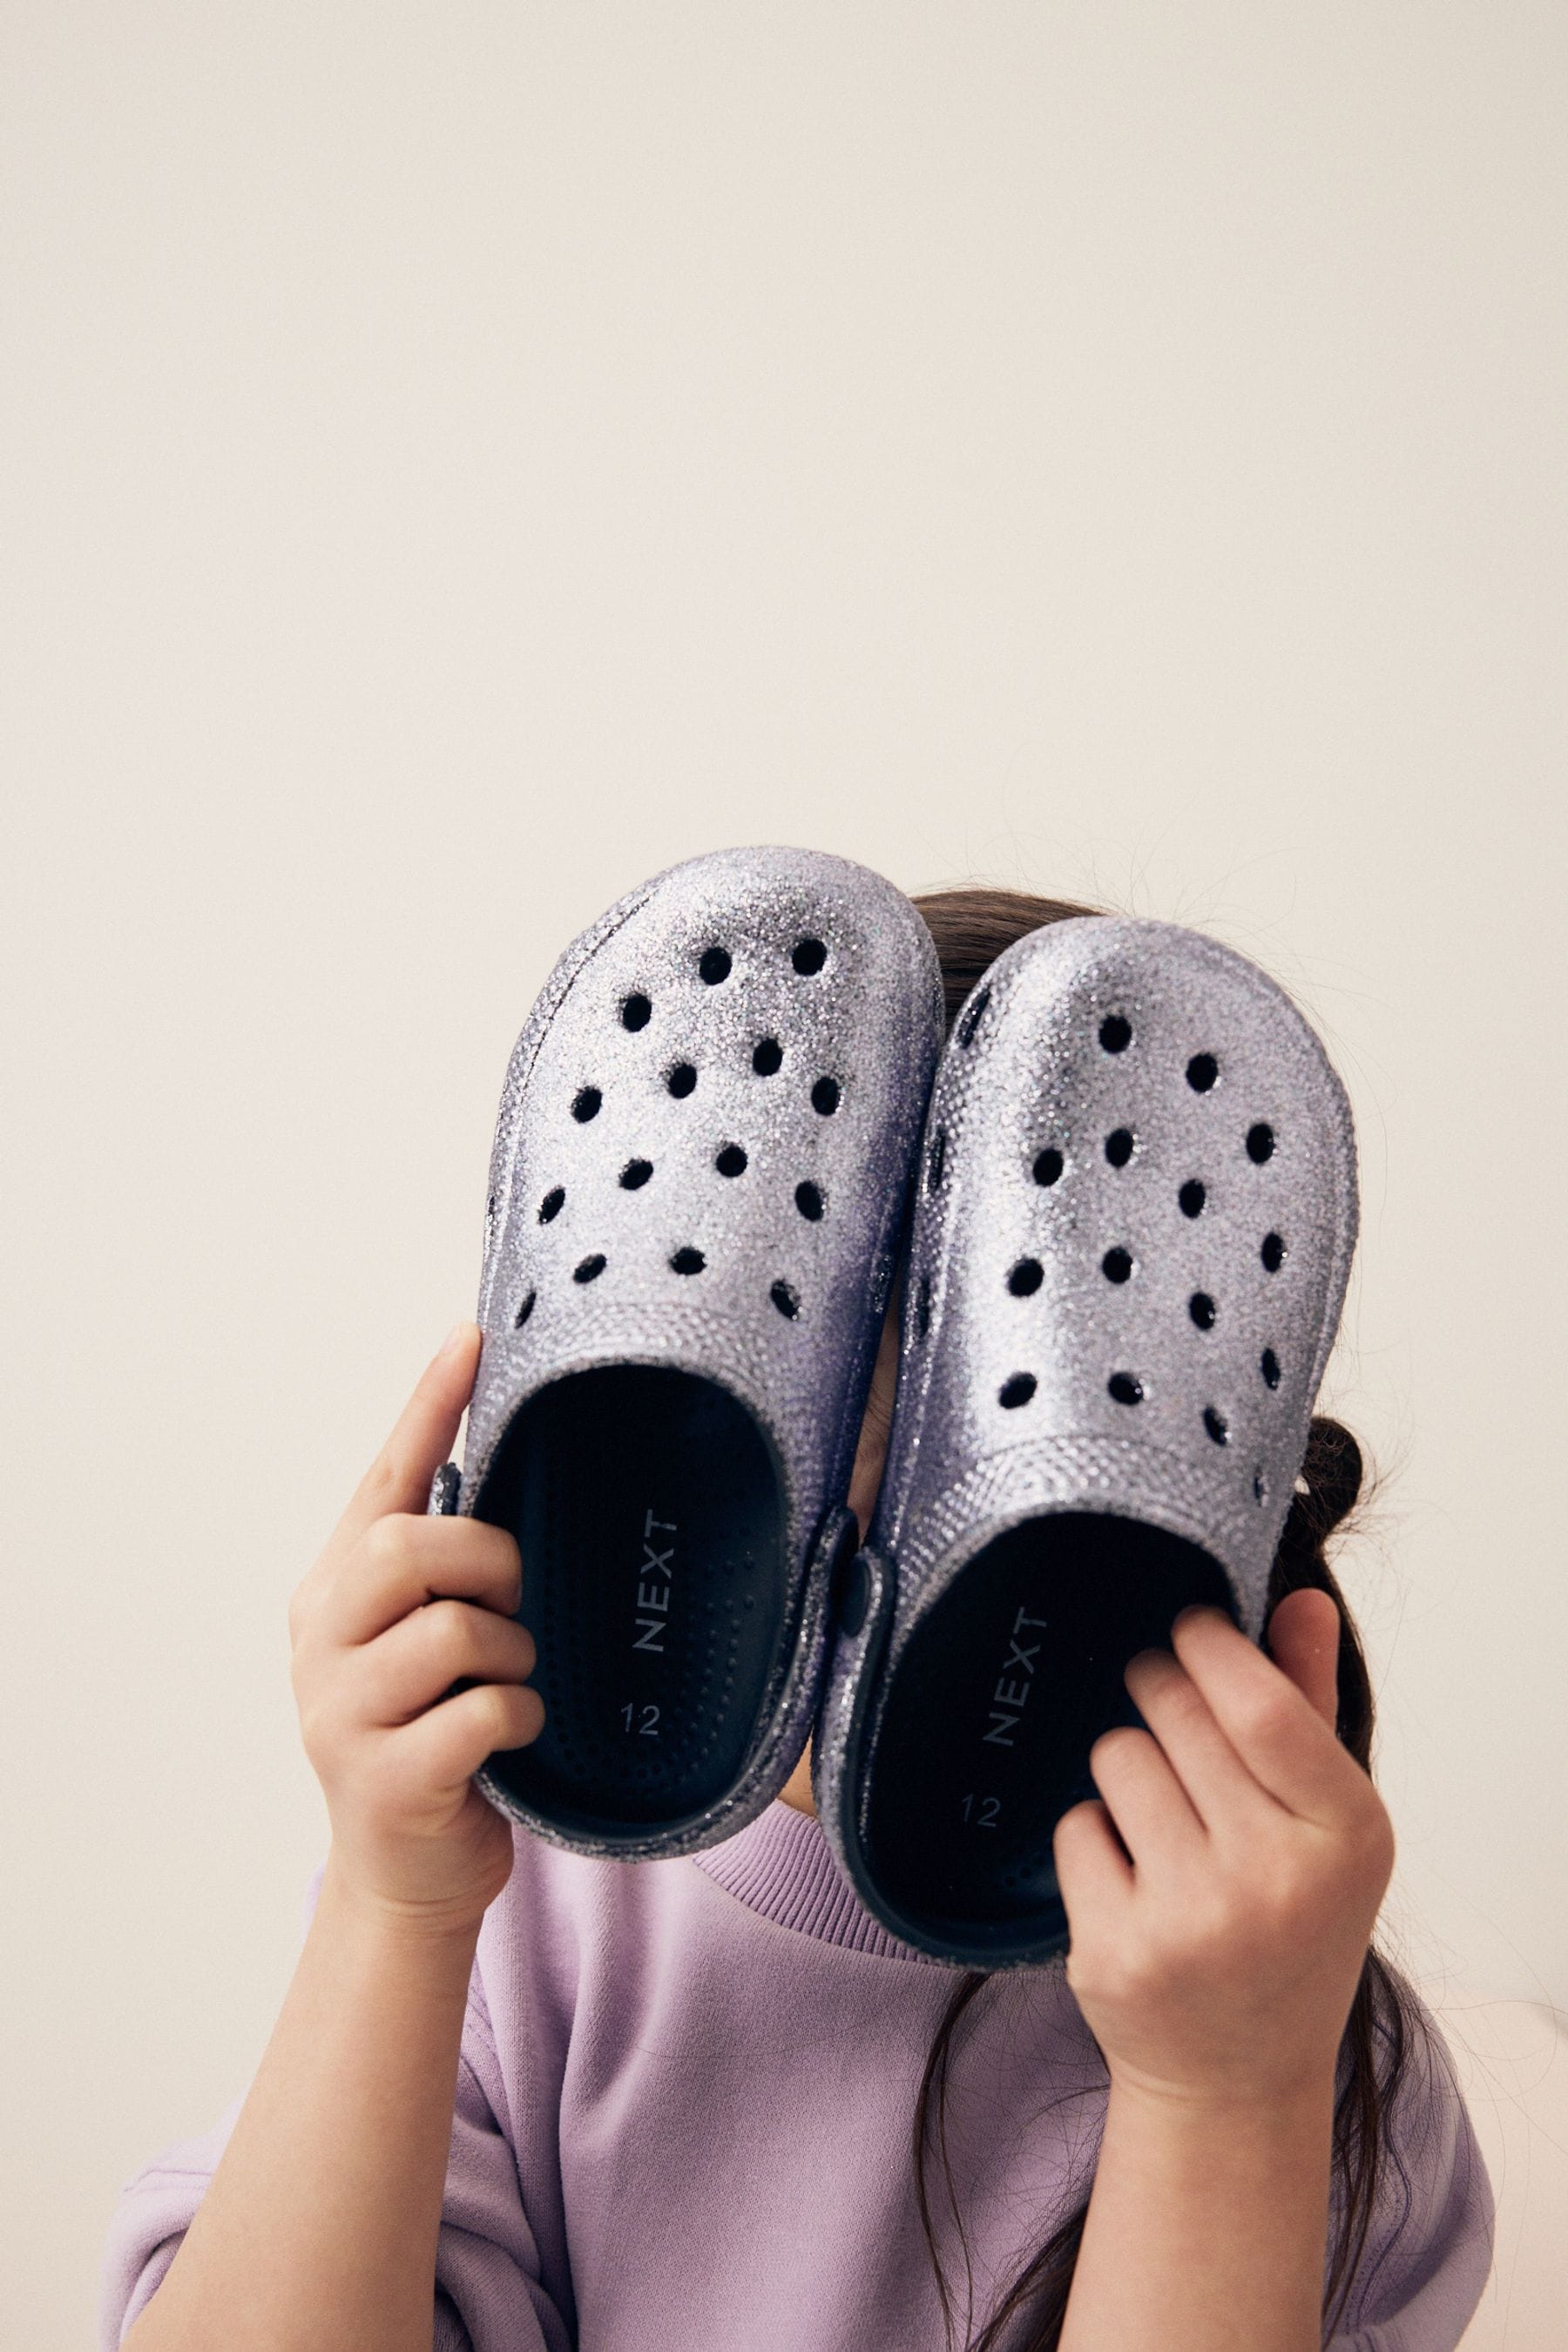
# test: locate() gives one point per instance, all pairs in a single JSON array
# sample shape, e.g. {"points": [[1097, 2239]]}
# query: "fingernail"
{"points": [[453, 1341]]}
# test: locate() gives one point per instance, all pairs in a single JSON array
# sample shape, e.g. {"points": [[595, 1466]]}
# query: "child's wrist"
{"points": [[1298, 2108], [386, 1926], [1208, 2218]]}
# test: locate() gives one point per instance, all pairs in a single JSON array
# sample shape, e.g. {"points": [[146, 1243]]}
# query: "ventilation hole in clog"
{"points": [[1260, 1488], [1017, 1391], [825, 1097], [1048, 1167], [922, 1306], [589, 1271], [1115, 1034], [1202, 1309], [808, 1201], [635, 1174], [1202, 1072], [1125, 1389], [1215, 1423], [808, 956], [936, 1161], [1268, 1365], [585, 1103], [635, 1011], [974, 1017], [687, 1260], [491, 1206], [785, 1299], [524, 1311], [681, 1079], [714, 965], [1192, 1197], [1026, 1277], [767, 1055], [1119, 1147], [1116, 1265], [1272, 1253], [1260, 1142], [731, 1161], [555, 1201]]}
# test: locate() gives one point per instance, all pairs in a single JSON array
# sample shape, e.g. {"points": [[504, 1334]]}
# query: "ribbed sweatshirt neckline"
{"points": [[781, 1866]]}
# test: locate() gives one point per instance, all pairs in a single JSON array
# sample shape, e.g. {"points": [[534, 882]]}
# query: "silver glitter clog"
{"points": [[1128, 1259], [698, 1191]]}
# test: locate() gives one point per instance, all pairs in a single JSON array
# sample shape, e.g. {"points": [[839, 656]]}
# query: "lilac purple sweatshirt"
{"points": [[683, 2115]]}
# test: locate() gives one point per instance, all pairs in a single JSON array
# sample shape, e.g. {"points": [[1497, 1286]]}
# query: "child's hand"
{"points": [[1220, 1964], [411, 1834]]}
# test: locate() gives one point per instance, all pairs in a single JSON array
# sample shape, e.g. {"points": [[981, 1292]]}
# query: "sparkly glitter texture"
{"points": [[691, 973], [1091, 1030]]}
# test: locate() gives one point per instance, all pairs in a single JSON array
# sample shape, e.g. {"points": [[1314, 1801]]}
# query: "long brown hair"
{"points": [[971, 928]]}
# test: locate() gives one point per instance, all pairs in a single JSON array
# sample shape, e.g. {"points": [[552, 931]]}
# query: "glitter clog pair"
{"points": [[1124, 1195]]}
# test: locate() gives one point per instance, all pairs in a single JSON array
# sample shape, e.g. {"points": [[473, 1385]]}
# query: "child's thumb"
{"points": [[422, 1438]]}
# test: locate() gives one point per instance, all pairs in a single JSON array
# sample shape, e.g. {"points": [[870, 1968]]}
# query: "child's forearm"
{"points": [[319, 2225], [1206, 2230]]}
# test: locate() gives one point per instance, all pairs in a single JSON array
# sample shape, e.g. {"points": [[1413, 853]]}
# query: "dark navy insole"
{"points": [[650, 1515], [1005, 1686]]}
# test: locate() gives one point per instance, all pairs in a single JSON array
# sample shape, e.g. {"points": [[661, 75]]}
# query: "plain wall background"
{"points": [[458, 461]]}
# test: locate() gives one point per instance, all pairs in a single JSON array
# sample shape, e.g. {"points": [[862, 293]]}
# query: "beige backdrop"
{"points": [[460, 460]]}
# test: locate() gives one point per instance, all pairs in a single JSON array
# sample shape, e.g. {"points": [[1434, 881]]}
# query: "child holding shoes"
{"points": [[521, 2098]]}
